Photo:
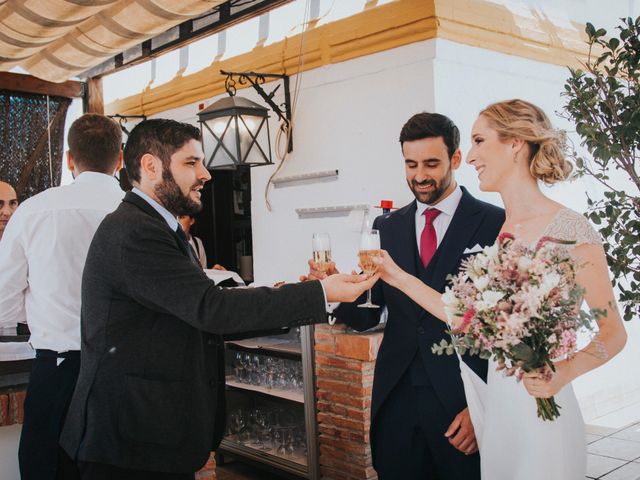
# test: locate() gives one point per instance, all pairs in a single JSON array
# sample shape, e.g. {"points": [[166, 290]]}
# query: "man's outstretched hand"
{"points": [[342, 287]]}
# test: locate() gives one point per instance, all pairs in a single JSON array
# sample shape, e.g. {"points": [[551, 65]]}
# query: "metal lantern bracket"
{"points": [[256, 80], [122, 119]]}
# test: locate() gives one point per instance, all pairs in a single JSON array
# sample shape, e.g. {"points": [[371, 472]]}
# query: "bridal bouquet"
{"points": [[519, 304]]}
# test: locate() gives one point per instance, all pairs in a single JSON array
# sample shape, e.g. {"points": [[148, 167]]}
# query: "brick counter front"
{"points": [[208, 472], [12, 406], [344, 365]]}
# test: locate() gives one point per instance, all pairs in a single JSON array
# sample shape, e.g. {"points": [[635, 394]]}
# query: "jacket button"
{"points": [[420, 330]]}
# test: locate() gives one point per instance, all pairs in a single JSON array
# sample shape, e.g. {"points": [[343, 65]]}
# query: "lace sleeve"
{"points": [[571, 225]]}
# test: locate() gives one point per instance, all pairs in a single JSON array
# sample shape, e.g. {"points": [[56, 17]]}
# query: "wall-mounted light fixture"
{"points": [[123, 119], [239, 127]]}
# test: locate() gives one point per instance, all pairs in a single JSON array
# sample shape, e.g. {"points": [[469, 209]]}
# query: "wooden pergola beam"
{"points": [[26, 83], [93, 100]]}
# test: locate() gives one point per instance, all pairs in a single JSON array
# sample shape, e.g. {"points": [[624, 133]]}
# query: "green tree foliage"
{"points": [[603, 101]]}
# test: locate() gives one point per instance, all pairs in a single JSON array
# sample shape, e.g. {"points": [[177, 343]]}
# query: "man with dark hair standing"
{"points": [[186, 222], [42, 254], [149, 402], [420, 426], [8, 205]]}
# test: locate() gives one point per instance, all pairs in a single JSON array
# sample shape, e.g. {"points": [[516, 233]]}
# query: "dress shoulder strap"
{"points": [[573, 226]]}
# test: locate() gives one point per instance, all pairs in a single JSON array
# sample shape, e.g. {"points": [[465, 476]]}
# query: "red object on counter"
{"points": [[386, 206]]}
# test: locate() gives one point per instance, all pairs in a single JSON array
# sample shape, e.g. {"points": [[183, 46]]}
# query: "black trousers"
{"points": [[100, 471], [409, 441], [45, 408]]}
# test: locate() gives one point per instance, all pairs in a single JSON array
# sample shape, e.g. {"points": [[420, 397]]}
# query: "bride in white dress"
{"points": [[514, 147]]}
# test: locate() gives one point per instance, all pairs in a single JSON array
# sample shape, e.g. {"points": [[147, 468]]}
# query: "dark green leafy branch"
{"points": [[603, 101]]}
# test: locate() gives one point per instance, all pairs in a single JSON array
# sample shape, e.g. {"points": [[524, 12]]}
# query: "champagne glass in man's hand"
{"points": [[321, 246], [320, 265], [369, 249]]}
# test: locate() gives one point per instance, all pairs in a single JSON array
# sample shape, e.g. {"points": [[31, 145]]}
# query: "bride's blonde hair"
{"points": [[525, 121]]}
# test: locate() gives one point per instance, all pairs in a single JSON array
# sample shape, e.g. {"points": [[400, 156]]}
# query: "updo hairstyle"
{"points": [[517, 119]]}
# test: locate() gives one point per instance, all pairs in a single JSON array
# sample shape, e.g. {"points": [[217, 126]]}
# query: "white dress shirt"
{"points": [[169, 217], [447, 208], [42, 255]]}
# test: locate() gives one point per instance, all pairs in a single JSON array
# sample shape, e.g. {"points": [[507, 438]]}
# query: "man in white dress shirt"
{"points": [[8, 205], [42, 255]]}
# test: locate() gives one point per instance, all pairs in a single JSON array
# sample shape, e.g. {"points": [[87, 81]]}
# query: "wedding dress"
{"points": [[514, 443]]}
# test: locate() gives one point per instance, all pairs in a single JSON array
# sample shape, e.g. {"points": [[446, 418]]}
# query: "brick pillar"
{"points": [[208, 472], [12, 406], [344, 365]]}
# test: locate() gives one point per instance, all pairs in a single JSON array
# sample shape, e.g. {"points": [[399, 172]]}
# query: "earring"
{"points": [[515, 157]]}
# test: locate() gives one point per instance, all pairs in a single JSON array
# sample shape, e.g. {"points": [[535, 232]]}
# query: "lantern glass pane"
{"points": [[224, 148], [254, 137], [252, 133]]}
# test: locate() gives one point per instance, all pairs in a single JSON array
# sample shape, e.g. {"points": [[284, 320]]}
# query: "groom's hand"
{"points": [[461, 434]]}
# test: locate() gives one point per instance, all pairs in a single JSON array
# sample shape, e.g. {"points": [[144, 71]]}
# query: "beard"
{"points": [[438, 189], [172, 198]]}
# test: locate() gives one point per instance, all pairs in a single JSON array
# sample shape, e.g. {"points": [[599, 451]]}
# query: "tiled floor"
{"points": [[613, 454]]}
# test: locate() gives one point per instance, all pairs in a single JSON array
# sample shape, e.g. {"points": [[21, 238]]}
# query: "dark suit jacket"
{"points": [[150, 385], [409, 328]]}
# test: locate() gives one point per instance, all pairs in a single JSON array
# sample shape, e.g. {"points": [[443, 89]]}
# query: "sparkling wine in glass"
{"points": [[321, 245], [369, 249]]}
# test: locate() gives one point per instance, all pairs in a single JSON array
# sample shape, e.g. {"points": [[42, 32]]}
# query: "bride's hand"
{"points": [[389, 271], [547, 383]]}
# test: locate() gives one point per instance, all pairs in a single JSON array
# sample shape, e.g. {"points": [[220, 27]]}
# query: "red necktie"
{"points": [[428, 239]]}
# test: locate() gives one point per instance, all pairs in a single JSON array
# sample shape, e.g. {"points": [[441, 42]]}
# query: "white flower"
{"points": [[449, 298], [552, 339], [531, 298], [516, 322], [450, 304], [491, 251], [481, 282], [451, 314], [523, 263], [489, 300], [549, 282], [477, 266]]}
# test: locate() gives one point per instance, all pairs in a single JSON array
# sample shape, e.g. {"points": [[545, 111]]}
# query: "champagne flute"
{"points": [[321, 245], [369, 249]]}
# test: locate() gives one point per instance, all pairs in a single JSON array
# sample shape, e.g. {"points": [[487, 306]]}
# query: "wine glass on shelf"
{"points": [[369, 249], [321, 246]]}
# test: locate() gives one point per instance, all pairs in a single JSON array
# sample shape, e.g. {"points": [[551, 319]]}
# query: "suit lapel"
{"points": [[142, 204], [464, 224], [404, 240], [403, 246]]}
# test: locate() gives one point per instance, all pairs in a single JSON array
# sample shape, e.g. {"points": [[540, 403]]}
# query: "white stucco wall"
{"points": [[348, 118]]}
